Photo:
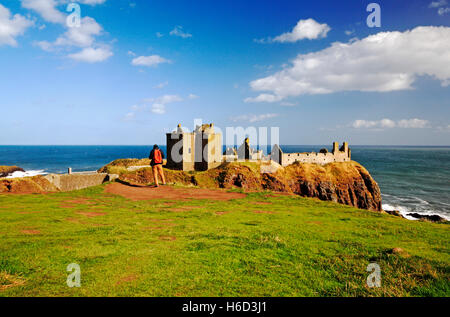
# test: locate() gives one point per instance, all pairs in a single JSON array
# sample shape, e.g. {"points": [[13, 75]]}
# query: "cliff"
{"points": [[345, 182]]}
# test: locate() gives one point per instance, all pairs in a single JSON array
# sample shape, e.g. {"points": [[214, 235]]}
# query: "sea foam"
{"points": [[19, 174]]}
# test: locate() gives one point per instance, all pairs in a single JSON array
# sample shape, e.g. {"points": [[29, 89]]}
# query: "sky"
{"points": [[127, 72]]}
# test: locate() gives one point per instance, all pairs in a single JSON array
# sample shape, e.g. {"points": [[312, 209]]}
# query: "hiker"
{"points": [[156, 157]]}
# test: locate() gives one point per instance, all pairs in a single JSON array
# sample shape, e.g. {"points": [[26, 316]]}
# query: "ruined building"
{"points": [[199, 150], [202, 150], [244, 152], [342, 154]]}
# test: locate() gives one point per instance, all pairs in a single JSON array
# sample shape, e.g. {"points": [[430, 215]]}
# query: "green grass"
{"points": [[305, 247]]}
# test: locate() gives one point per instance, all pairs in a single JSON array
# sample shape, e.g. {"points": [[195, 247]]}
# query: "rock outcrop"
{"points": [[6, 170], [432, 218], [347, 183], [26, 185]]}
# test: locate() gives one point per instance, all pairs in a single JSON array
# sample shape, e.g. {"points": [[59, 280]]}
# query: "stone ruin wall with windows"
{"points": [[342, 154]]}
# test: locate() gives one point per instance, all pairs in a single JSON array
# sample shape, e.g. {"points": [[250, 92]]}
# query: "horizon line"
{"points": [[151, 144]]}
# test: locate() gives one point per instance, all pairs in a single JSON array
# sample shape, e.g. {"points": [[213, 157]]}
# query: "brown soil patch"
{"points": [[400, 252], [167, 238], [73, 220], [160, 220], [169, 192], [262, 203], [184, 208], [315, 222], [220, 213], [91, 214], [154, 228], [263, 212], [31, 232], [73, 203], [79, 201], [126, 279]]}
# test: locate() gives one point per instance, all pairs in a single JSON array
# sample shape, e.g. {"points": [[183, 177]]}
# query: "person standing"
{"points": [[156, 161]]}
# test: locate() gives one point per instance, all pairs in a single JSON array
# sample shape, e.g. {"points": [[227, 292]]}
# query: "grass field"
{"points": [[261, 245]]}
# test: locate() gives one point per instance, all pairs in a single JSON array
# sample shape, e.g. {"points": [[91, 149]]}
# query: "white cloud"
{"points": [[82, 36], [437, 4], [263, 98], [155, 105], [442, 11], [348, 32], [131, 53], [11, 26], [192, 96], [88, 2], [152, 60], [159, 108], [388, 123], [92, 55], [129, 116], [91, 2], [178, 31], [440, 4], [413, 123], [161, 85], [46, 9], [387, 61], [159, 104], [159, 34], [305, 29], [254, 117], [443, 128], [288, 104]]}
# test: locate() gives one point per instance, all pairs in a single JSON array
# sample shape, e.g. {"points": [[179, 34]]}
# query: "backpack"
{"points": [[157, 157]]}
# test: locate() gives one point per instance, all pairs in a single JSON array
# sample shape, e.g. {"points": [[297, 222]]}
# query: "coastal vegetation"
{"points": [[235, 243]]}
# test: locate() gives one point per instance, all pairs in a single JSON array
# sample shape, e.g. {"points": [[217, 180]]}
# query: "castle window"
{"points": [[189, 150]]}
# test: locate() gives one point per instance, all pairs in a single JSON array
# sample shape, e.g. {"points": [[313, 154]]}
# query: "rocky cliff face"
{"points": [[346, 183]]}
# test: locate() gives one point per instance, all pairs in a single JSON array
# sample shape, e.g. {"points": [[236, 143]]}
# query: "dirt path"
{"points": [[137, 192]]}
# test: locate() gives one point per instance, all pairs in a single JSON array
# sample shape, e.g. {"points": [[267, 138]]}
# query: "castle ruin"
{"points": [[342, 154], [199, 150], [202, 150]]}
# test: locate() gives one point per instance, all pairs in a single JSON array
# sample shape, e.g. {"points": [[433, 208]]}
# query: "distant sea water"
{"points": [[411, 178]]}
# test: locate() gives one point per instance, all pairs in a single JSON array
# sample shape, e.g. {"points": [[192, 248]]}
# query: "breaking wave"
{"points": [[31, 173]]}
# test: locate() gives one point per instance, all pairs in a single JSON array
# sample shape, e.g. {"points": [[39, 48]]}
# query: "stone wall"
{"points": [[337, 155], [69, 182]]}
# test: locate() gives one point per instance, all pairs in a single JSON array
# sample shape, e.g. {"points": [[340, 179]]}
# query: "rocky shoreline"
{"points": [[7, 170]]}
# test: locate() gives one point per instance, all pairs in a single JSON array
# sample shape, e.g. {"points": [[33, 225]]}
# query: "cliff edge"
{"points": [[347, 183]]}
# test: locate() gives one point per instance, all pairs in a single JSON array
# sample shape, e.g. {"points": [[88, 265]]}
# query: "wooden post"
{"points": [[70, 170]]}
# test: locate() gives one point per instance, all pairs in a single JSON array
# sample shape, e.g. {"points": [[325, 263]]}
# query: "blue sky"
{"points": [[135, 69]]}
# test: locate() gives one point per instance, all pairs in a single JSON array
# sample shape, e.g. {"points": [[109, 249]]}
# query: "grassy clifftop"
{"points": [[264, 244]]}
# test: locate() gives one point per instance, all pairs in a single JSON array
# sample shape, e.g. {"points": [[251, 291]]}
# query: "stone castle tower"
{"points": [[199, 150]]}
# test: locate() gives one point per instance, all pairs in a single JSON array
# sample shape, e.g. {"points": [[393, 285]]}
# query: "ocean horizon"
{"points": [[412, 179]]}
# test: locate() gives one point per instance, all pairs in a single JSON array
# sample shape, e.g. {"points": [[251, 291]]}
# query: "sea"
{"points": [[412, 179]]}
